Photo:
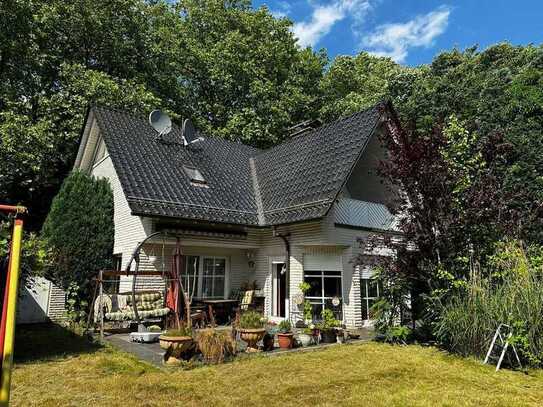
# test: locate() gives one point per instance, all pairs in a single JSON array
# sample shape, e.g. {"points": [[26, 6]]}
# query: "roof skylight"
{"points": [[194, 174]]}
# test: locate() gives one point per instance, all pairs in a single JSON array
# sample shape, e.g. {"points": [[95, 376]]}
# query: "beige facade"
{"points": [[314, 244]]}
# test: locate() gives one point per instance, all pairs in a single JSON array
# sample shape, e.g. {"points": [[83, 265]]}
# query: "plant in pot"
{"points": [[285, 337], [176, 342], [327, 326], [305, 338], [251, 329]]}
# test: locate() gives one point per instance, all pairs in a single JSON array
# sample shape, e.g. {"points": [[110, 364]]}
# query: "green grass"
{"points": [[56, 368]]}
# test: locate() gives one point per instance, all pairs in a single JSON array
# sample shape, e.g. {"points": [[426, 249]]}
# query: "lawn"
{"points": [[54, 368]]}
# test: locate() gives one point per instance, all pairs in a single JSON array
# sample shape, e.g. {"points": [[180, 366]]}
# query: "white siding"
{"points": [[129, 229]]}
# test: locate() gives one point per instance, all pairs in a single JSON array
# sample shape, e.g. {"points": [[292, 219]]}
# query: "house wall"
{"points": [[365, 184], [129, 230], [42, 301], [310, 238]]}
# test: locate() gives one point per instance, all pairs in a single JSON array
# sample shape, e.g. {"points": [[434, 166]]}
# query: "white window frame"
{"points": [[274, 261], [201, 276], [366, 298], [198, 295], [322, 299]]}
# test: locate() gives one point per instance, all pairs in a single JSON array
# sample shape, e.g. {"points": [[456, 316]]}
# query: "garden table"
{"points": [[211, 304]]}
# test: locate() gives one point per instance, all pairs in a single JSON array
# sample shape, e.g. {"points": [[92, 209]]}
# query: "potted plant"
{"points": [[305, 338], [327, 326], [251, 329], [285, 337], [176, 342]]}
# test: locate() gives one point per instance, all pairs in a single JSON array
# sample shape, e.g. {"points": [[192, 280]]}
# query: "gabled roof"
{"points": [[300, 178], [295, 181]]}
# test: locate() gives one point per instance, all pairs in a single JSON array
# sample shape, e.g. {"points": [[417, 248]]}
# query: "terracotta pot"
{"points": [[286, 341], [174, 346], [252, 336]]}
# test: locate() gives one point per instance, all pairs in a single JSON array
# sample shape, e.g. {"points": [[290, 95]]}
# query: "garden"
{"points": [[55, 367]]}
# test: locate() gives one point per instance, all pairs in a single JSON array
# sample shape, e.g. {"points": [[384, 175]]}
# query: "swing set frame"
{"points": [[135, 272]]}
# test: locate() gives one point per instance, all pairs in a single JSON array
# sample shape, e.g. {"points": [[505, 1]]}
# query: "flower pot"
{"points": [[305, 339], [286, 340], [252, 336], [268, 342], [175, 346], [328, 336]]}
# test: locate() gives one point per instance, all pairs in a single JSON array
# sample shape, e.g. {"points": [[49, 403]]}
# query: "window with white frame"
{"points": [[370, 291], [213, 277], [324, 286], [205, 276], [190, 275]]}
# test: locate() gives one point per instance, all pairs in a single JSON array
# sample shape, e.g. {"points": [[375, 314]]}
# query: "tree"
{"points": [[78, 235], [355, 83], [235, 71]]}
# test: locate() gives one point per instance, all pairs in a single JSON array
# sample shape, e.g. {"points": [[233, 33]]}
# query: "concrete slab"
{"points": [[153, 354]]}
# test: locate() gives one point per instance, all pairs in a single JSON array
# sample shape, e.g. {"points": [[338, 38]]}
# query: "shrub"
{"points": [[285, 327], [216, 345], [469, 319], [329, 321], [78, 236], [251, 320], [396, 334]]}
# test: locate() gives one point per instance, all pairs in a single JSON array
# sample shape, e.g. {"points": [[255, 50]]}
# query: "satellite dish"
{"points": [[160, 122], [189, 132]]}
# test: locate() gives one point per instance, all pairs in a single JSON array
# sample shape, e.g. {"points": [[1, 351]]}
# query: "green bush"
{"points": [[329, 320], [514, 296], [251, 320], [78, 237]]}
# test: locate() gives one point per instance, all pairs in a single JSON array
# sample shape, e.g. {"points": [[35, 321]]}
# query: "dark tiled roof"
{"points": [[301, 177], [294, 181], [153, 179]]}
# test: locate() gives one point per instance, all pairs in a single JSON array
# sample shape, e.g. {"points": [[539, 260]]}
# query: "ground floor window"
{"points": [[190, 275], [324, 287], [205, 276], [213, 277], [370, 292]]}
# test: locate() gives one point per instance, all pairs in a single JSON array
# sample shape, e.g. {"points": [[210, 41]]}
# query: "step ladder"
{"points": [[501, 342]]}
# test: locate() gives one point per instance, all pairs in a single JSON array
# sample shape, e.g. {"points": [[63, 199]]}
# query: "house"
{"points": [[280, 216]]}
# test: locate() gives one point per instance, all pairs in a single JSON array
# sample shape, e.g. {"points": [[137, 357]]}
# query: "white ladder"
{"points": [[503, 338]]}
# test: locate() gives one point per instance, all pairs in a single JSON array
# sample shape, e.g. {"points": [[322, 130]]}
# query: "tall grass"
{"points": [[468, 320], [215, 345]]}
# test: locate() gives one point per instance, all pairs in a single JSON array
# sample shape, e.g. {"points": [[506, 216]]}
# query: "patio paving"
{"points": [[153, 354]]}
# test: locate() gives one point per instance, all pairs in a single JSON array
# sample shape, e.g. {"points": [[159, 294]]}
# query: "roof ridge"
{"points": [[307, 134], [258, 196]]}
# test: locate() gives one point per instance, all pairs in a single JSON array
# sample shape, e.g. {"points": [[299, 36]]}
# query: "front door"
{"points": [[280, 289]]}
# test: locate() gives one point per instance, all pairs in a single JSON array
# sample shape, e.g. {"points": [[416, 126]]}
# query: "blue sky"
{"points": [[409, 31]]}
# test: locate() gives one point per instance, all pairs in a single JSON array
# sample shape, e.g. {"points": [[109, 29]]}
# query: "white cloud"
{"points": [[282, 9], [394, 40], [324, 17]]}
